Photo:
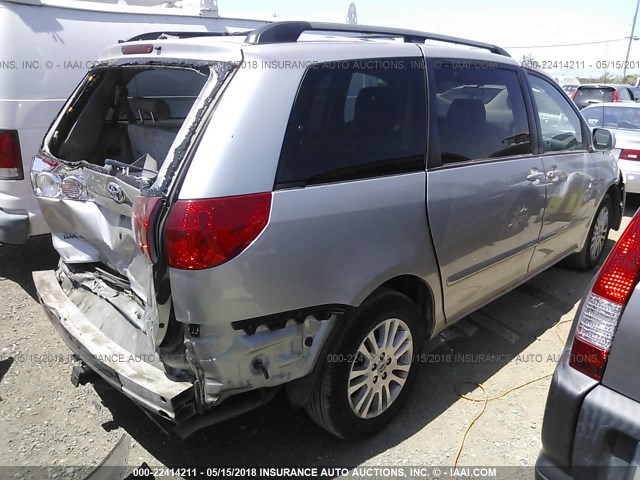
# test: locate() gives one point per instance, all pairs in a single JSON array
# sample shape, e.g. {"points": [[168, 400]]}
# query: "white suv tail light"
{"points": [[627, 154], [10, 157], [603, 307]]}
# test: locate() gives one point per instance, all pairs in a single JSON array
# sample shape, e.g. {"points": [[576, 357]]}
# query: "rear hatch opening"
{"points": [[127, 117], [103, 179]]}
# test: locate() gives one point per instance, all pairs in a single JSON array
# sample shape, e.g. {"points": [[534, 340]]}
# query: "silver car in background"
{"points": [[624, 120], [249, 213]]}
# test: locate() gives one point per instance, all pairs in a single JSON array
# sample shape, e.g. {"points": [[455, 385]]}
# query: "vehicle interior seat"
{"points": [[376, 122], [468, 115], [154, 131]]}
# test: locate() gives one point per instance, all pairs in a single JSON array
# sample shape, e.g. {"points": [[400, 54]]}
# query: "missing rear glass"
{"points": [[128, 117]]}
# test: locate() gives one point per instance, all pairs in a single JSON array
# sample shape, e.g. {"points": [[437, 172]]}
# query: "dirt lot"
{"points": [[46, 421]]}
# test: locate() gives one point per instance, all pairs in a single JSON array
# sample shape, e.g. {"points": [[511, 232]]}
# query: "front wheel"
{"points": [[370, 368], [593, 248]]}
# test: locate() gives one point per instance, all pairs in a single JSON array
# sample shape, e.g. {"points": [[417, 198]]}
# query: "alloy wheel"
{"points": [[380, 368], [600, 233]]}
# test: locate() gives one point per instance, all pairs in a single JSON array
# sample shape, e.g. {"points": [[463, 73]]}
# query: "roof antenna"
{"points": [[352, 16]]}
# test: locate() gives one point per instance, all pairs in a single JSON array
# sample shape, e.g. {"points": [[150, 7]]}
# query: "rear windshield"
{"points": [[586, 94], [627, 118], [128, 115]]}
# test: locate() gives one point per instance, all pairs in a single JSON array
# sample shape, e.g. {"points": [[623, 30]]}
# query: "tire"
{"points": [[351, 355], [593, 248]]}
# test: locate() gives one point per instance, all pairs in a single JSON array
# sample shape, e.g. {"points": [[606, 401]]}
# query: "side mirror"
{"points": [[603, 139]]}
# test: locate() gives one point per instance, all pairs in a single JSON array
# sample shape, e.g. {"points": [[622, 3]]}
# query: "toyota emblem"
{"points": [[116, 192]]}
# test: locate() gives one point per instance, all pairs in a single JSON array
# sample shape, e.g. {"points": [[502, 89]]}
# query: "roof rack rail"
{"points": [[288, 32], [157, 35]]}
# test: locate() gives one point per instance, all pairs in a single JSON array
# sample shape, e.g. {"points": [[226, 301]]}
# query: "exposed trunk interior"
{"points": [[128, 115], [124, 118]]}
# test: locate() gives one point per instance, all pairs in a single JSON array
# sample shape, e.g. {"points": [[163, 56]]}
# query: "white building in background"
{"points": [[46, 47]]}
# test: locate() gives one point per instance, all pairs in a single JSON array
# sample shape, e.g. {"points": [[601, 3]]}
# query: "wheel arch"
{"points": [[415, 288], [419, 292]]}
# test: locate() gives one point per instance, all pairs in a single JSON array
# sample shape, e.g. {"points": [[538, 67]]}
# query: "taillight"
{"points": [[629, 155], [144, 209], [615, 96], [601, 311], [575, 93], [201, 234], [10, 158]]}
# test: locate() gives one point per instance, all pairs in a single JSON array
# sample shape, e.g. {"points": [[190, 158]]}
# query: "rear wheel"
{"points": [[370, 368], [593, 248]]}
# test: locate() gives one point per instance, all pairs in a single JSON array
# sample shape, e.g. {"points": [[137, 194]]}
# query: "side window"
{"points": [[560, 124], [480, 112], [356, 119], [624, 94], [594, 116]]}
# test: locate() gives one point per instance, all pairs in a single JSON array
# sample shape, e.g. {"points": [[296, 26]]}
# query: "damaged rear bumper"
{"points": [[138, 380]]}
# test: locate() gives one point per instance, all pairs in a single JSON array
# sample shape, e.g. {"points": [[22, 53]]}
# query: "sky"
{"points": [[519, 27]]}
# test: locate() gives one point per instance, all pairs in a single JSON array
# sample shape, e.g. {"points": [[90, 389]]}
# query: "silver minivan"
{"points": [[300, 207]]}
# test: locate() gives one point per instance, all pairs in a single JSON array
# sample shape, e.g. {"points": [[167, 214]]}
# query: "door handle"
{"points": [[535, 175], [554, 175]]}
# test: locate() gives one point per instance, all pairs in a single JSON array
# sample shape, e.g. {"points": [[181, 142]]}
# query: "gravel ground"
{"points": [[48, 422]]}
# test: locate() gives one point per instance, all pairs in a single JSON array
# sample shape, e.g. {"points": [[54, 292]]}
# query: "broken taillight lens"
{"points": [[201, 234], [10, 157], [603, 307], [144, 210]]}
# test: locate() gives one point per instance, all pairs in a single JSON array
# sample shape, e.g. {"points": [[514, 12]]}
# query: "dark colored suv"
{"points": [[586, 95]]}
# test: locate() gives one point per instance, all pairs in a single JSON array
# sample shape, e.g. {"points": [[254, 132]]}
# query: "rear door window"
{"points": [[623, 94], [480, 113], [356, 119]]}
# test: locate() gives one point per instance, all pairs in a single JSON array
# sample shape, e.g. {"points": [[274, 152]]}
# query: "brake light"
{"points": [[10, 157], [629, 155], [137, 49], [601, 311], [144, 209], [201, 234], [615, 96]]}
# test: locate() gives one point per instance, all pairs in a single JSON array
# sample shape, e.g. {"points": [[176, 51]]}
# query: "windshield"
{"points": [[627, 118]]}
